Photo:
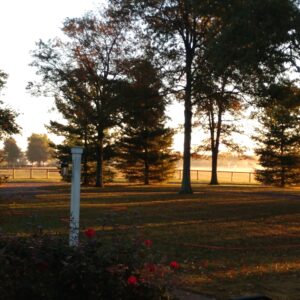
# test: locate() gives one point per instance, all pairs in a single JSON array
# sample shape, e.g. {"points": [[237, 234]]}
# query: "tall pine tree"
{"points": [[279, 137], [145, 152]]}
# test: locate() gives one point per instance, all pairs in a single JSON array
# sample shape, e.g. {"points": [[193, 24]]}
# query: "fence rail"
{"points": [[31, 173], [202, 176], [223, 176]]}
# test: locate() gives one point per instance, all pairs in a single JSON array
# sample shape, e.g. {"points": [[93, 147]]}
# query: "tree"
{"points": [[11, 151], [219, 105], [279, 137], [81, 73], [38, 149], [8, 125], [145, 144], [251, 35]]}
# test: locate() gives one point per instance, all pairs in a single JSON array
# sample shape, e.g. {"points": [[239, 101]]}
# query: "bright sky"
{"points": [[22, 23]]}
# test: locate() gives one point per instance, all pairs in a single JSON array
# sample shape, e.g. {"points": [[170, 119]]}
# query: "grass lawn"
{"points": [[229, 240]]}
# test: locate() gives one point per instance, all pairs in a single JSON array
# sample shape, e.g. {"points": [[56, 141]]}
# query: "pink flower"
{"points": [[132, 280], [148, 243], [174, 265], [90, 232]]}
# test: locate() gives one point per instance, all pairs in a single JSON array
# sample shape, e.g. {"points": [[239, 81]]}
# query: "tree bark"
{"points": [[146, 170], [186, 177], [215, 148], [85, 162], [99, 157], [214, 168]]}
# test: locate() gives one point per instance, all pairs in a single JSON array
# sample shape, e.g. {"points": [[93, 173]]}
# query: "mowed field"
{"points": [[197, 175], [229, 240]]}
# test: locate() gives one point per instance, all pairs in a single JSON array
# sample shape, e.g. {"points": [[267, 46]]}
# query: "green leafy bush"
{"points": [[45, 267]]}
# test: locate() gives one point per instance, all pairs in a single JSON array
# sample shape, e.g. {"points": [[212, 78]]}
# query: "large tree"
{"points": [[144, 148], [12, 152], [38, 149], [252, 35], [81, 73], [279, 136], [8, 125]]}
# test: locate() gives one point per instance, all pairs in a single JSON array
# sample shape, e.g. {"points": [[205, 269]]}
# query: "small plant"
{"points": [[45, 267]]}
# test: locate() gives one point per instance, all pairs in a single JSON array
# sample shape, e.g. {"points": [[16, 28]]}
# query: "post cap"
{"points": [[76, 150]]}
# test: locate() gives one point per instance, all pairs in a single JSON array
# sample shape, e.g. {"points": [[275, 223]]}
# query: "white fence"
{"points": [[233, 177], [31, 173], [201, 176]]}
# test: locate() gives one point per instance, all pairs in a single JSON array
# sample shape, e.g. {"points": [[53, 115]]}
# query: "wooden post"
{"points": [[231, 176], [13, 173], [30, 176], [75, 196], [47, 173], [197, 175]]}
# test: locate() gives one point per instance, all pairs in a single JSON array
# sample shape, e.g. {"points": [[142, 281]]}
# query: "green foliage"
{"points": [[11, 151], [145, 145], [246, 37], [279, 137], [80, 72], [44, 267], [8, 125], [38, 149]]}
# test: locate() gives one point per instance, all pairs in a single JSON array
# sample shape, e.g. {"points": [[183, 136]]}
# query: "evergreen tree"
{"points": [[279, 137], [251, 35], [12, 152], [145, 146]]}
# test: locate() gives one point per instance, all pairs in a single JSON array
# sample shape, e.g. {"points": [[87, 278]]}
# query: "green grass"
{"points": [[229, 240]]}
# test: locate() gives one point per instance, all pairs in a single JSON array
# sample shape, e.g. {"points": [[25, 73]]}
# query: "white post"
{"points": [[75, 196]]}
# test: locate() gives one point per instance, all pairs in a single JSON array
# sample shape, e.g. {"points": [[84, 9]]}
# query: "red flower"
{"points": [[132, 280], [174, 265], [148, 243], [90, 232]]}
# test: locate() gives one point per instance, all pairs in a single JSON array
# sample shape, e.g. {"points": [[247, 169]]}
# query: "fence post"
{"points": [[231, 176], [30, 176], [13, 173], [75, 196], [249, 177], [197, 175], [47, 173]]}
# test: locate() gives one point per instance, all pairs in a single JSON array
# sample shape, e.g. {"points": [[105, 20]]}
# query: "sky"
{"points": [[23, 23]]}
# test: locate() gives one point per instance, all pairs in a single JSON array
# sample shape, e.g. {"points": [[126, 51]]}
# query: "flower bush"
{"points": [[45, 267]]}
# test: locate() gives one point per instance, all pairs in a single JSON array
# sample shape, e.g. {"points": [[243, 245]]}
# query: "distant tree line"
{"points": [[113, 74], [38, 151]]}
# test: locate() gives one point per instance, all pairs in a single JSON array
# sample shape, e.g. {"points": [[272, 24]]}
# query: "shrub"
{"points": [[45, 267]]}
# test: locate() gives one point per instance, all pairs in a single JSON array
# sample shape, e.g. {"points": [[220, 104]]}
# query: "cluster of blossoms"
{"points": [[148, 272]]}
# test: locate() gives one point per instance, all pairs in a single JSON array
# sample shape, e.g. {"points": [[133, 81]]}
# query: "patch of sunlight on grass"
{"points": [[258, 270]]}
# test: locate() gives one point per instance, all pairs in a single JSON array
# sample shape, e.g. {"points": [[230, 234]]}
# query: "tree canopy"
{"points": [[8, 125], [38, 149], [279, 136]]}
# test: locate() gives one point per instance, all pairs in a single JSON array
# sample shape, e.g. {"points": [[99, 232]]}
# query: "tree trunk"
{"points": [[214, 166], [186, 177], [146, 170], [85, 163], [99, 157], [282, 177], [215, 149]]}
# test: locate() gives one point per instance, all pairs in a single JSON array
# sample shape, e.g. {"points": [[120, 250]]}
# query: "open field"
{"points": [[229, 240], [197, 175]]}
